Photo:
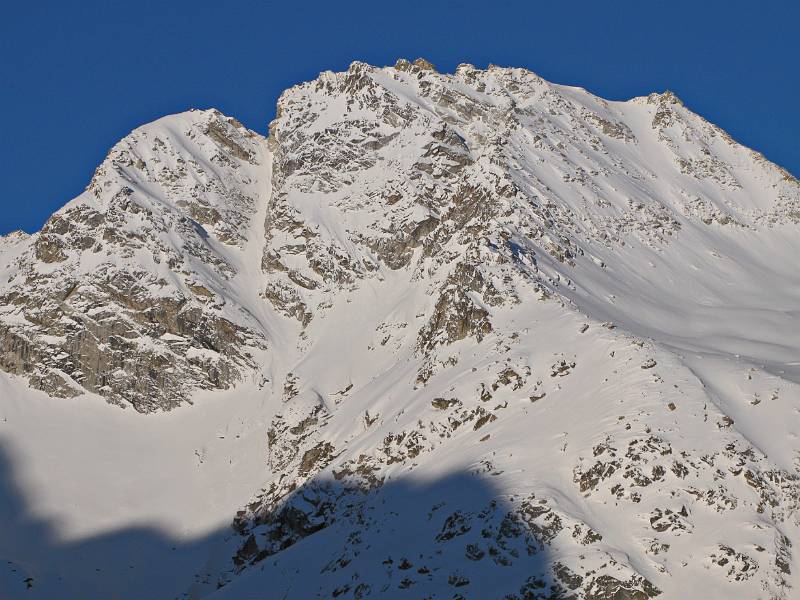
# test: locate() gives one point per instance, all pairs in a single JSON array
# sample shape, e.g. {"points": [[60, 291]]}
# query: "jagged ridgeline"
{"points": [[480, 273]]}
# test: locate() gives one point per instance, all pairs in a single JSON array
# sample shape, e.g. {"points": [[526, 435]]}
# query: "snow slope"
{"points": [[471, 335]]}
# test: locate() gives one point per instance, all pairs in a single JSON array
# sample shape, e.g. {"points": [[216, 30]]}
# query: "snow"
{"points": [[97, 497], [675, 349]]}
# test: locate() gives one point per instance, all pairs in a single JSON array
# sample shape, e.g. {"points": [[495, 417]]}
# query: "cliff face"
{"points": [[125, 292], [431, 280]]}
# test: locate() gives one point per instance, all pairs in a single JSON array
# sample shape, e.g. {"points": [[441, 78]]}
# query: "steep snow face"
{"points": [[416, 222], [490, 336], [635, 211]]}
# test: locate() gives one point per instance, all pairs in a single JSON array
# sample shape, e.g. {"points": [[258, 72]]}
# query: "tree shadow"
{"points": [[449, 537]]}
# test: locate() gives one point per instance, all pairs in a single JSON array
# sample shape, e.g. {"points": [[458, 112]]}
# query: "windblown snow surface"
{"points": [[469, 335]]}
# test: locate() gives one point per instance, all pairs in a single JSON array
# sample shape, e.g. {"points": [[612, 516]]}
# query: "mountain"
{"points": [[470, 335]]}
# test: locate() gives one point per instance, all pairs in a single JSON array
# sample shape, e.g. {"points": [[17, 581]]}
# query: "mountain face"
{"points": [[126, 291], [481, 336]]}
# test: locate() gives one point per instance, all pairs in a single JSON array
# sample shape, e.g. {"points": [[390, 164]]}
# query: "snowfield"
{"points": [[470, 335]]}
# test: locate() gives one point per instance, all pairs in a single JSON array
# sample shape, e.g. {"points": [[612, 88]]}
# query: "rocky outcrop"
{"points": [[122, 292]]}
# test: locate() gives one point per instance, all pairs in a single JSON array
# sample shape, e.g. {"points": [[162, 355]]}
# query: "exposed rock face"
{"points": [[123, 291], [479, 273]]}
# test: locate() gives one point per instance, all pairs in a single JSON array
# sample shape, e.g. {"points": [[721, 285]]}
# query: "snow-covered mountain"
{"points": [[466, 335]]}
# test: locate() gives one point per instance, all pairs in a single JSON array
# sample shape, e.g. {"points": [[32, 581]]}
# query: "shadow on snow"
{"points": [[451, 537]]}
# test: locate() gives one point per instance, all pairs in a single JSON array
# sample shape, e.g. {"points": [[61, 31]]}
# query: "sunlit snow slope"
{"points": [[472, 335]]}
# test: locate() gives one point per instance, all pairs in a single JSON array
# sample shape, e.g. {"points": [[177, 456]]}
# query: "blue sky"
{"points": [[77, 76]]}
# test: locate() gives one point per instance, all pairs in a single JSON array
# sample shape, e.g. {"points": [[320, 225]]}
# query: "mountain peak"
{"points": [[123, 287]]}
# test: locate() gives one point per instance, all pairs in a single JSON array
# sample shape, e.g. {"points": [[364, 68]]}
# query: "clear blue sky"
{"points": [[77, 76]]}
